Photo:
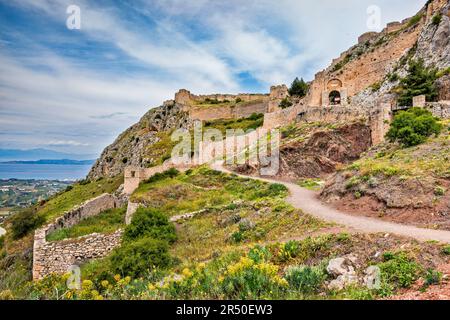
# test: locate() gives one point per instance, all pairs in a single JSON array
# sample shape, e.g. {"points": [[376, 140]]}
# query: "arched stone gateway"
{"points": [[334, 93], [334, 98]]}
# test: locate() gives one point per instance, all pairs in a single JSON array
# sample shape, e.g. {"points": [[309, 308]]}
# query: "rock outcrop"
{"points": [[130, 148]]}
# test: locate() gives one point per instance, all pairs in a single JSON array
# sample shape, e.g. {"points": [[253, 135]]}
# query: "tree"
{"points": [[298, 88], [419, 81], [412, 127]]}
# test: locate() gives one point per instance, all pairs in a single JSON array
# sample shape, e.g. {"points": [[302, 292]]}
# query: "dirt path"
{"points": [[307, 201]]}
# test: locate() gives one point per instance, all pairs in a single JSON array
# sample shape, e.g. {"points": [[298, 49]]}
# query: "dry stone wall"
{"points": [[58, 256]]}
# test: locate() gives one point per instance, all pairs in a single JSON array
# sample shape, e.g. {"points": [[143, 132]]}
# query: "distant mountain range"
{"points": [[38, 154], [51, 161]]}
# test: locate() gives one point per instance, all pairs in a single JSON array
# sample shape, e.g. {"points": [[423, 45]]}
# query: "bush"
{"points": [[432, 277], [298, 88], [171, 173], [439, 191], [247, 279], [437, 19], [397, 271], [305, 279], [24, 222], [137, 258], [412, 127], [288, 250], [446, 250], [285, 103], [149, 223], [420, 80]]}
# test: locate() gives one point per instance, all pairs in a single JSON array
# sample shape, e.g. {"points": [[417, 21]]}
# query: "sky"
{"points": [[75, 89]]}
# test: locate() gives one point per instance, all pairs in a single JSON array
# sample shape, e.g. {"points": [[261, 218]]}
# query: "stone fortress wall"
{"points": [[229, 108], [59, 256], [353, 77]]}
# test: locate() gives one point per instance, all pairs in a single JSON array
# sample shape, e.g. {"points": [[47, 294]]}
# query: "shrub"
{"points": [[415, 20], [136, 258], [443, 72], [171, 173], [393, 77], [432, 277], [305, 279], [259, 254], [285, 103], [446, 250], [149, 223], [397, 271], [247, 279], [376, 86], [238, 100], [437, 18], [420, 80], [439, 191], [412, 127], [298, 88], [24, 222], [288, 251]]}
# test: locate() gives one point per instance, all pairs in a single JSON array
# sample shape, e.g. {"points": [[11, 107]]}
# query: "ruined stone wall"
{"points": [[58, 256], [282, 117], [370, 67], [227, 112], [439, 109]]}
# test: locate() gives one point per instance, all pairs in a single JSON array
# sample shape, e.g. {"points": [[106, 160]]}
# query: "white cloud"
{"points": [[67, 143]]}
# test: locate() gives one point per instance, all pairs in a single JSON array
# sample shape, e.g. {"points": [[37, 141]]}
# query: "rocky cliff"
{"points": [[134, 145]]}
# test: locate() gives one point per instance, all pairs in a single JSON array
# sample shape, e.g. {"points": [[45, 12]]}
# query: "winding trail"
{"points": [[308, 202]]}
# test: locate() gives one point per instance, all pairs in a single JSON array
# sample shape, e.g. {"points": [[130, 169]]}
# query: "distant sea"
{"points": [[43, 171]]}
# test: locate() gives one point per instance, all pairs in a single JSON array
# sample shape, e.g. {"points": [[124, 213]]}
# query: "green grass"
{"points": [[232, 103], [107, 221], [429, 158], [253, 122], [311, 184]]}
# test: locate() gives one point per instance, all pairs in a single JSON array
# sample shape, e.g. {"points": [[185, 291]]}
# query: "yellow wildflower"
{"points": [[117, 277], [187, 273], [87, 284], [105, 283]]}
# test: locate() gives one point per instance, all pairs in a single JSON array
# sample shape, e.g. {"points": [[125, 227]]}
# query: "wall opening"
{"points": [[335, 98]]}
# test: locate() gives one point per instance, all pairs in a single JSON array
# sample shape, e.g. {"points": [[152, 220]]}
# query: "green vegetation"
{"points": [[298, 88], [149, 223], [437, 18], [398, 270], [285, 103], [419, 81], [161, 150], [376, 86], [137, 258], [414, 20], [413, 127], [107, 221], [311, 184], [306, 279], [255, 121], [24, 222], [443, 72], [27, 220], [338, 66], [429, 159]]}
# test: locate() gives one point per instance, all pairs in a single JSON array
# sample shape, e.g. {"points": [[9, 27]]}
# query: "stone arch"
{"points": [[335, 98], [334, 84]]}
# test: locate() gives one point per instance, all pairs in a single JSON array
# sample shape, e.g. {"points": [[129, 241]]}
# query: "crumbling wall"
{"points": [[58, 256]]}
